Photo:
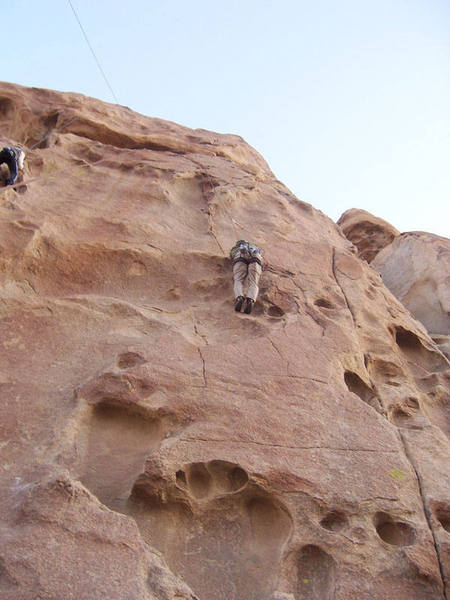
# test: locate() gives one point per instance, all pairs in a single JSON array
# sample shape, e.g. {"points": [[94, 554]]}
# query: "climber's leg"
{"points": [[254, 273], [239, 275], [20, 158]]}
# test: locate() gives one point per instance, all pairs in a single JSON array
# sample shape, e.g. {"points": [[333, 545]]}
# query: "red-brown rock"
{"points": [[157, 445], [370, 234]]}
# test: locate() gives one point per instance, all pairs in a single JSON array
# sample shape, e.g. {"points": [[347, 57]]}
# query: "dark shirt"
{"points": [[9, 156]]}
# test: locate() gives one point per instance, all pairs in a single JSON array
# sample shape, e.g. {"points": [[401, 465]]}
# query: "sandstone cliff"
{"points": [[157, 445]]}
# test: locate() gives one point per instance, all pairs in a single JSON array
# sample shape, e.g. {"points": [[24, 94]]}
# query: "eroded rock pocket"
{"points": [[334, 521], [357, 386], [442, 513], [275, 311], [216, 528], [415, 352], [324, 303], [127, 360], [407, 417], [316, 572], [393, 532], [117, 446], [215, 478]]}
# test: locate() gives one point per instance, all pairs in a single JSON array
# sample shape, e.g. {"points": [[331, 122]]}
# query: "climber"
{"points": [[13, 156], [247, 262]]}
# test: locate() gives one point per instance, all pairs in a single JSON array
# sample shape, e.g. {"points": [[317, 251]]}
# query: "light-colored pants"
{"points": [[240, 272], [20, 159]]}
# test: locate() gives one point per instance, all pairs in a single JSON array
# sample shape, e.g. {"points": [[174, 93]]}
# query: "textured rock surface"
{"points": [[416, 268], [369, 233], [157, 445]]}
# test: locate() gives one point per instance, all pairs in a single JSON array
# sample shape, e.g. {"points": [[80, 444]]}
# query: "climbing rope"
{"points": [[49, 133], [93, 53], [75, 118]]}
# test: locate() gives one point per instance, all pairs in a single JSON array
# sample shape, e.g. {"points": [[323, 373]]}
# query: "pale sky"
{"points": [[348, 101]]}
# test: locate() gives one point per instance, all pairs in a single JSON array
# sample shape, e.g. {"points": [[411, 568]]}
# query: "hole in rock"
{"points": [[407, 340], [199, 480], [162, 524], [270, 525], [400, 417], [227, 477], [6, 106], [413, 349], [120, 389], [357, 386], [315, 574], [239, 478], [404, 418], [413, 403], [443, 516], [396, 533], [21, 188], [51, 119], [118, 444], [275, 311], [334, 521], [215, 478], [324, 303], [228, 550], [181, 479], [130, 359]]}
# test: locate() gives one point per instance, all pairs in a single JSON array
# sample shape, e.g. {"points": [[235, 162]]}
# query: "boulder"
{"points": [[368, 233], [416, 267]]}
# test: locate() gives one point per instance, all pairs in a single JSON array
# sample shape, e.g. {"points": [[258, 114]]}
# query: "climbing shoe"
{"points": [[238, 303], [249, 306]]}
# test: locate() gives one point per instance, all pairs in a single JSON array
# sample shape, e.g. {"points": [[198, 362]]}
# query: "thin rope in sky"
{"points": [[93, 53]]}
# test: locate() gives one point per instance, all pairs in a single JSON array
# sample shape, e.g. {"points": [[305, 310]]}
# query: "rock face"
{"points": [[369, 234], [157, 445], [416, 268]]}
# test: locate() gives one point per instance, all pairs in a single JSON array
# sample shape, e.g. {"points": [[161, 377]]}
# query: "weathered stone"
{"points": [[443, 343], [416, 267], [154, 443], [370, 234]]}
